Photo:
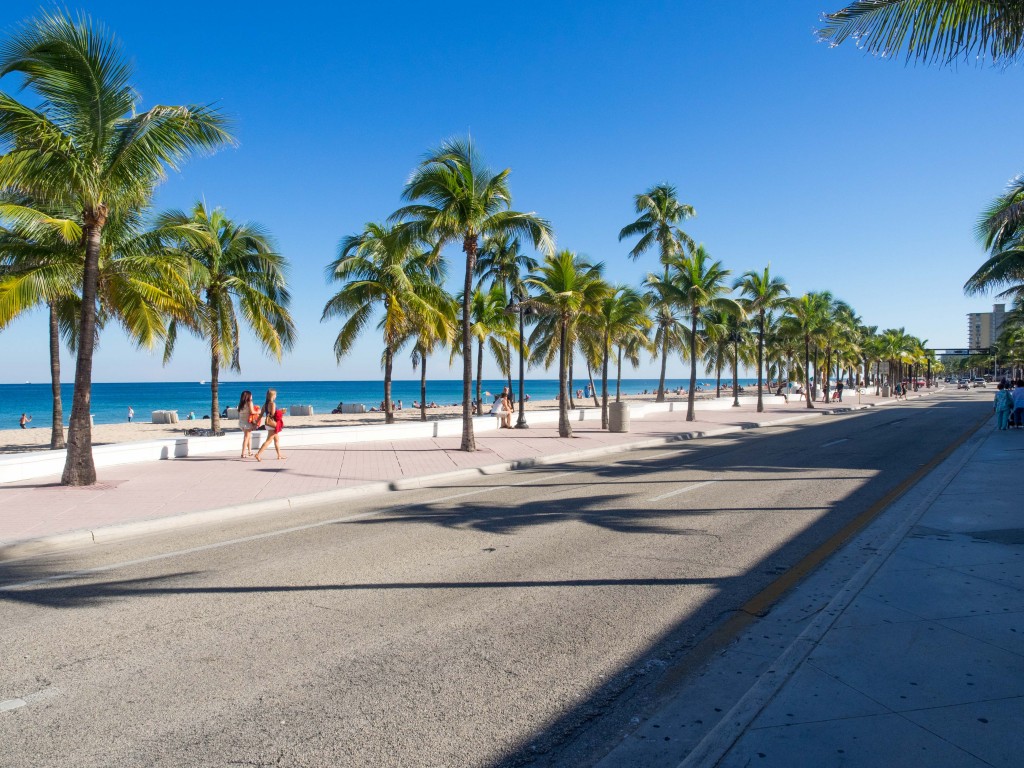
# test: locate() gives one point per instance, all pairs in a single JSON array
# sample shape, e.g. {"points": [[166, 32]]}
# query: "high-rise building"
{"points": [[983, 328]]}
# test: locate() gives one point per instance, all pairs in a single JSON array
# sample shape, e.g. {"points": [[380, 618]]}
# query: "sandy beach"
{"points": [[37, 437]]}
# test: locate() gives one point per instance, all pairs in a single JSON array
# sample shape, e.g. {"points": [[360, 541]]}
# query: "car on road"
{"points": [[963, 384], [977, 382]]}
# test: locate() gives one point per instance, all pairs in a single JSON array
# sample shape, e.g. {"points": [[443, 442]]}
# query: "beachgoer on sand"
{"points": [[248, 420], [273, 420], [24, 420]]}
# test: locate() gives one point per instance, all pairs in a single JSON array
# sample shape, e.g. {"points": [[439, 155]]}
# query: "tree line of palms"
{"points": [[688, 308]]}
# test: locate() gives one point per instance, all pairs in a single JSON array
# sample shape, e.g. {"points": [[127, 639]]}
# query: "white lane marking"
{"points": [[684, 489], [487, 490], [836, 442], [10, 704], [46, 693], [254, 537]]}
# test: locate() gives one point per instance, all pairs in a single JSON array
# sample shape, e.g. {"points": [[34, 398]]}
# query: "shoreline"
{"points": [[37, 437]]}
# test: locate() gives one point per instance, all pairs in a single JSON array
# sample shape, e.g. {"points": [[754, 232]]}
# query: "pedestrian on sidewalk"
{"points": [[248, 420], [273, 420], [839, 390], [1003, 406], [1018, 403]]}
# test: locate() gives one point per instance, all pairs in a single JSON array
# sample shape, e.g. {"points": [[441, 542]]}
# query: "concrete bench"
{"points": [[164, 417], [232, 413], [353, 408], [300, 410]]}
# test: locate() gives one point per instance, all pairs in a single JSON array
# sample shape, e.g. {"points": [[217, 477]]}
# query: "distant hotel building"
{"points": [[983, 328]]}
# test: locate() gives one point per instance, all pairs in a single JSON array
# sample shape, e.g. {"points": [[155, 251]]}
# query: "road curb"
{"points": [[105, 534]]}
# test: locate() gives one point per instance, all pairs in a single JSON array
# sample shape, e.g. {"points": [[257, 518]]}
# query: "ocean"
{"points": [[110, 401]]}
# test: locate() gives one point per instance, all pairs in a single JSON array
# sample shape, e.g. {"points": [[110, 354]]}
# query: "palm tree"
{"points": [[936, 31], [763, 294], [463, 201], [381, 267], [140, 284], [1001, 231], [431, 331], [699, 285], [658, 225], [806, 319], [492, 327], [503, 262], [670, 333], [237, 273], [566, 285], [623, 313], [88, 147]]}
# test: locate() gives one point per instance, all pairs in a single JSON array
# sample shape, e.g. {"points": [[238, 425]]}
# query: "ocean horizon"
{"points": [[110, 400]]}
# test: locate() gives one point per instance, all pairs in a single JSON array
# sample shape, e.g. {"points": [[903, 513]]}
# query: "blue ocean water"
{"points": [[110, 401]]}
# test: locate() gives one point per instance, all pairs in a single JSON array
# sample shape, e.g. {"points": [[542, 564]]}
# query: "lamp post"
{"points": [[516, 305], [734, 339]]}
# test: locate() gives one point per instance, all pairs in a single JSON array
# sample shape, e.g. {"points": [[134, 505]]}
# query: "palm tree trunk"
{"points": [[214, 386], [593, 389], [692, 395], [828, 370], [564, 427], [760, 362], [572, 393], [664, 365], [389, 360], [618, 377], [468, 441], [479, 383], [423, 387], [604, 381], [79, 468], [808, 393], [736, 374], [57, 431]]}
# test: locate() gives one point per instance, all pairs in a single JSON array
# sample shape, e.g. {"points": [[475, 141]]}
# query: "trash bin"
{"points": [[886, 390], [618, 417]]}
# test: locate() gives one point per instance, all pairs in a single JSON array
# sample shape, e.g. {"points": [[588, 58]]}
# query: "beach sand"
{"points": [[37, 437]]}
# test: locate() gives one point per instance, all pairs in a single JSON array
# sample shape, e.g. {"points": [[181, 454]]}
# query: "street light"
{"points": [[516, 305], [735, 337]]}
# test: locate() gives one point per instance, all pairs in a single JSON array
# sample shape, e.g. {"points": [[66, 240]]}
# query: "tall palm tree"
{"points": [[88, 147], [699, 285], [433, 330], [658, 226], [565, 286], [503, 262], [806, 319], [140, 285], [938, 31], [456, 198], [381, 268], [621, 314], [763, 293], [670, 333], [493, 328], [237, 273]]}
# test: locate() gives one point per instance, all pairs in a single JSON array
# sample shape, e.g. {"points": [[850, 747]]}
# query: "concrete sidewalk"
{"points": [[160, 495], [905, 649]]}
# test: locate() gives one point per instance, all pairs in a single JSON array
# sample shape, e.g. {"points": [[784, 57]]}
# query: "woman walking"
{"points": [[273, 419], [248, 420], [1003, 406]]}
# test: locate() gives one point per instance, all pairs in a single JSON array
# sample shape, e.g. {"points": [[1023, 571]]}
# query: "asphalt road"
{"points": [[517, 619]]}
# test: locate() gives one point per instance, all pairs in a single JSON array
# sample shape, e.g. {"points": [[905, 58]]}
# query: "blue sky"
{"points": [[845, 172]]}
